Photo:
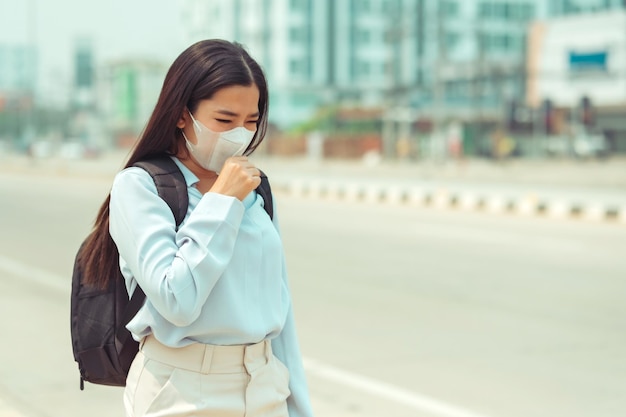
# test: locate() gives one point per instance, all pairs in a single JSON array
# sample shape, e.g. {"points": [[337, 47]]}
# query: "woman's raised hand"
{"points": [[237, 178]]}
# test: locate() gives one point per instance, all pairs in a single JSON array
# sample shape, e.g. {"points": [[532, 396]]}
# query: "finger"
{"points": [[249, 166], [239, 159]]}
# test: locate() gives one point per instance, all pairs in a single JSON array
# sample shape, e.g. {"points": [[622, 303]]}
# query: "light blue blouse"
{"points": [[219, 279]]}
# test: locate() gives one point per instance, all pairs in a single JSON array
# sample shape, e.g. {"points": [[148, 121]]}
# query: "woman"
{"points": [[216, 332]]}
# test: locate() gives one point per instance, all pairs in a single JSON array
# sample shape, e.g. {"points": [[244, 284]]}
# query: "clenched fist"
{"points": [[237, 178]]}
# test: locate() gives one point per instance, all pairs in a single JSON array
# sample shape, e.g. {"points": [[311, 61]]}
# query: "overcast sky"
{"points": [[118, 29]]}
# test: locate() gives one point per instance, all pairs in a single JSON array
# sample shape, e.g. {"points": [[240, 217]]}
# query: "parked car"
{"points": [[578, 142], [78, 150], [41, 149], [589, 144]]}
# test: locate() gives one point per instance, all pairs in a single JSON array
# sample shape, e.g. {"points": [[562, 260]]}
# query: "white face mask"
{"points": [[213, 148]]}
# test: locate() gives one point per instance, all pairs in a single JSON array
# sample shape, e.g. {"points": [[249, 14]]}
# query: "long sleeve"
{"points": [[287, 349], [176, 269]]}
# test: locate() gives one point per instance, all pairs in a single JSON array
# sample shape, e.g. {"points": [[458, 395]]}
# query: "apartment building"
{"points": [[314, 52], [569, 7], [128, 92], [442, 59], [18, 70]]}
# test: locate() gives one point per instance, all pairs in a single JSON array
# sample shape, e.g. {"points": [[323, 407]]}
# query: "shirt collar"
{"points": [[190, 177]]}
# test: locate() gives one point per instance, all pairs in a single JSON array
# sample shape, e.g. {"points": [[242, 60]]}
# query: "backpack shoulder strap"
{"points": [[171, 187], [265, 191], [170, 183]]}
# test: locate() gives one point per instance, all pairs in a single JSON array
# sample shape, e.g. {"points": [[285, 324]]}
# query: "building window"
{"points": [[452, 40], [303, 100], [527, 12], [500, 42], [294, 66], [362, 6], [450, 8], [521, 12], [299, 5], [363, 69], [297, 34], [517, 43], [363, 36], [299, 67], [384, 7], [456, 90], [517, 11], [485, 9], [571, 8]]}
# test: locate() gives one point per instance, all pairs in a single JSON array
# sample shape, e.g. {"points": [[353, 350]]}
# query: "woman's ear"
{"points": [[182, 120]]}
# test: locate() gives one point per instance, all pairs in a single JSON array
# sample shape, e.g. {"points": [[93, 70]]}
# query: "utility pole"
{"points": [[32, 46], [394, 35], [479, 81], [439, 80]]}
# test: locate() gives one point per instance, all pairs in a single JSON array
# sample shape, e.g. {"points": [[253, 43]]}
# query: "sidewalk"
{"points": [[609, 174], [586, 190], [589, 190]]}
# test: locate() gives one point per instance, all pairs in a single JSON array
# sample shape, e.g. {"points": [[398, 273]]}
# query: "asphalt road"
{"points": [[401, 311]]}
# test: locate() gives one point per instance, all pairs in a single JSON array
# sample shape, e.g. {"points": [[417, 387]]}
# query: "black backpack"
{"points": [[102, 346]]}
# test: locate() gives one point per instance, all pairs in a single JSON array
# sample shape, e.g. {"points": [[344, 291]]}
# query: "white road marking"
{"points": [[390, 392], [313, 367], [34, 274], [7, 411]]}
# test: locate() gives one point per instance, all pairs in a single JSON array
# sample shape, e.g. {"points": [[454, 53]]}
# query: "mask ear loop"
{"points": [[183, 133], [195, 122]]}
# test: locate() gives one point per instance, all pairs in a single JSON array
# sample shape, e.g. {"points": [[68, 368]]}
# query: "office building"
{"points": [[434, 60], [581, 74], [18, 77], [18, 72], [129, 91], [570, 7], [314, 52]]}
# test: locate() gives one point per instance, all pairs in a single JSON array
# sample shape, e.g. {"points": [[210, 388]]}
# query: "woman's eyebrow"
{"points": [[233, 114]]}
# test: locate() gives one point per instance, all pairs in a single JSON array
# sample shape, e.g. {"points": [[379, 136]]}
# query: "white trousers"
{"points": [[206, 380]]}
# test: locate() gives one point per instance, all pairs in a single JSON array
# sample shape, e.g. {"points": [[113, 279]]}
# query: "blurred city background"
{"points": [[450, 179], [399, 79]]}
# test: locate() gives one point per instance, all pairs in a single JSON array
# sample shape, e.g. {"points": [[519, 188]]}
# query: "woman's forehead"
{"points": [[233, 101]]}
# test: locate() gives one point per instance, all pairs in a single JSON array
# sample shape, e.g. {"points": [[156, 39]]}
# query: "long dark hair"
{"points": [[198, 73]]}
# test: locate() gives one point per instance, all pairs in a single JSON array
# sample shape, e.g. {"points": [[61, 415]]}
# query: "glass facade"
{"points": [[463, 52]]}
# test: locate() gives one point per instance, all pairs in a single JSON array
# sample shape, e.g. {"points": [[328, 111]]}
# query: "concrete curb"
{"points": [[524, 205]]}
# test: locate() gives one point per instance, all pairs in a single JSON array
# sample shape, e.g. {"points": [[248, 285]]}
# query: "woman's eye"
{"points": [[223, 120]]}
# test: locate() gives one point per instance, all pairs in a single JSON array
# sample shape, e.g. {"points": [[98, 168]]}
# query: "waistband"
{"points": [[206, 359]]}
